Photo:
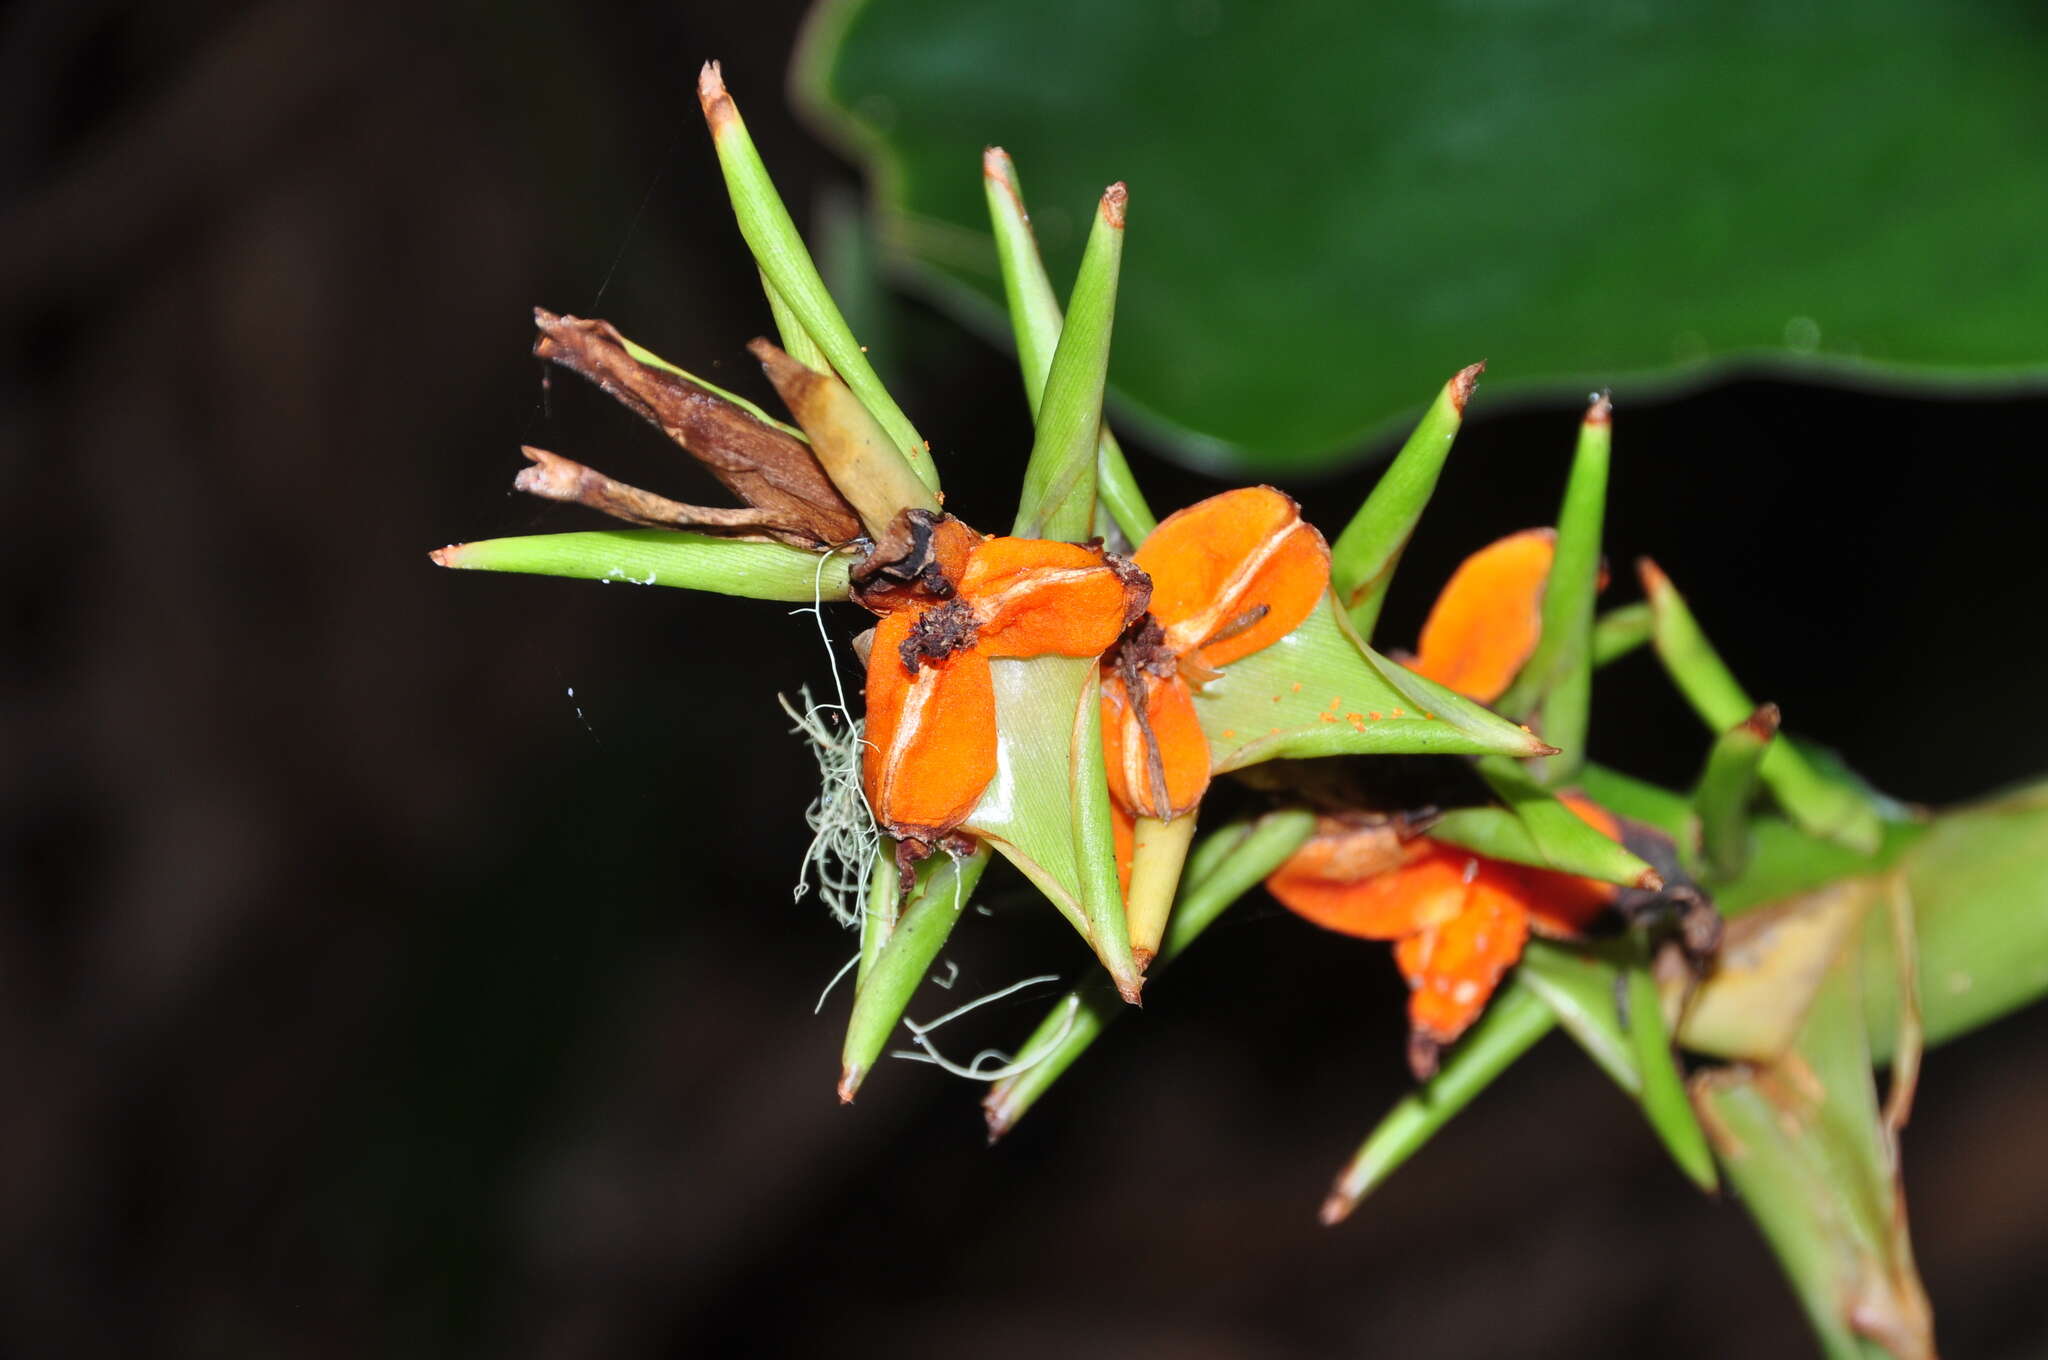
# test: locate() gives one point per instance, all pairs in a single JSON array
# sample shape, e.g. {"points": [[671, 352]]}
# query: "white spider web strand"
{"points": [[1006, 1067]]}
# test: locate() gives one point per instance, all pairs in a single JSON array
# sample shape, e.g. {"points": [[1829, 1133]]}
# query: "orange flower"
{"points": [[1230, 575], [952, 601], [1458, 920]]}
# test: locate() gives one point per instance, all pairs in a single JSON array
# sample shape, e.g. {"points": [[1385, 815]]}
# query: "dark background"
{"points": [[363, 993]]}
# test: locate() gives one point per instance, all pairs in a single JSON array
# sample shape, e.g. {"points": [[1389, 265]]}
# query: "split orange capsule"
{"points": [[1459, 920], [931, 711], [1230, 575]]}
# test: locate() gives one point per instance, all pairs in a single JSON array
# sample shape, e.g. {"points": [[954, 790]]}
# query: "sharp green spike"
{"points": [[661, 557], [1059, 482], [1363, 559]]}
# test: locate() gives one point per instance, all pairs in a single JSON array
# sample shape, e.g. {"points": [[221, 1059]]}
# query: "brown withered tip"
{"points": [[1649, 880], [1423, 1054], [849, 1082], [998, 1120], [995, 163], [440, 557], [1601, 409], [1763, 724], [1462, 384], [711, 96], [1115, 200], [1337, 1207], [1652, 576]]}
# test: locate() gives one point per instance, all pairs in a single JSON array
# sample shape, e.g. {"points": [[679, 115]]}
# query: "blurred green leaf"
{"points": [[1804, 1144], [1820, 800], [1662, 1095], [661, 557], [1557, 834], [1727, 788], [1351, 197], [1977, 880]]}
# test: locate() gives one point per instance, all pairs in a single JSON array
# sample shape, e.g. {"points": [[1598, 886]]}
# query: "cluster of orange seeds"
{"points": [[951, 601]]}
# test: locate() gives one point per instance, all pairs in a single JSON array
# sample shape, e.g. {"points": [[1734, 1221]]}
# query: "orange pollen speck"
{"points": [[1354, 718], [1295, 687], [1374, 716], [1397, 713], [1276, 698], [1229, 732], [1328, 717]]}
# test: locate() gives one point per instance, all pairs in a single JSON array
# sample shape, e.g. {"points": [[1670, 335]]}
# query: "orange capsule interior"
{"points": [[1488, 619], [1458, 920], [1234, 574], [1175, 784]]}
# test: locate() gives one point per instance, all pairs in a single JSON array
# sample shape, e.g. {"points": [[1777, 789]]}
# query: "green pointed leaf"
{"points": [[1663, 1096], [1978, 883], [1561, 840], [1557, 681], [1036, 322], [1806, 1148], [878, 918], [1319, 692], [1726, 790], [1688, 192], [1620, 631], [1058, 500], [1363, 558], [1047, 808], [1513, 1023], [1223, 867], [661, 557], [1825, 806], [797, 288], [1630, 797], [937, 901], [1578, 983]]}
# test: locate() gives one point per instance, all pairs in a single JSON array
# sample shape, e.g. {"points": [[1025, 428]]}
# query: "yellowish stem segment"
{"points": [[1158, 849]]}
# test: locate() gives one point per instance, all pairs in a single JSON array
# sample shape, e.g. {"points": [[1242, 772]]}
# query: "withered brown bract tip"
{"points": [[711, 95], [1336, 1208], [995, 162], [1601, 411], [1652, 576], [1129, 989], [998, 1123], [440, 556], [849, 1083], [1463, 382], [1764, 722], [1650, 881], [1423, 1052], [1115, 200]]}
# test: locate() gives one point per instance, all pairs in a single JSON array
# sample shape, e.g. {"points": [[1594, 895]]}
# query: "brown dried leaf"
{"points": [[771, 471]]}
